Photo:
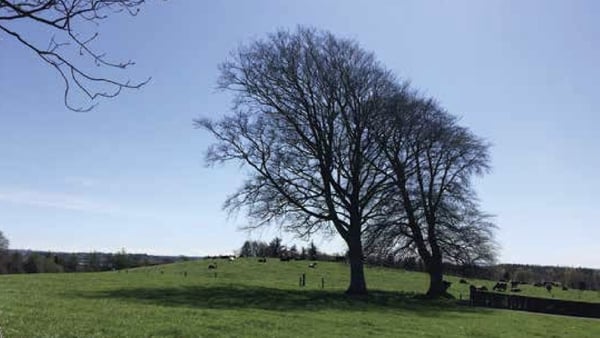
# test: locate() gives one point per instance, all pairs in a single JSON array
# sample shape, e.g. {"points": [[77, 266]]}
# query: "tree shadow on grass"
{"points": [[263, 298]]}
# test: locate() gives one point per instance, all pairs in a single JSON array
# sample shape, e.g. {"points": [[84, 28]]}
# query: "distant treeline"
{"points": [[24, 261], [276, 249], [575, 278]]}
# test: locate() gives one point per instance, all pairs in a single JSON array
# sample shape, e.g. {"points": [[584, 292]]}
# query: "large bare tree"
{"points": [[69, 50], [431, 161], [303, 102]]}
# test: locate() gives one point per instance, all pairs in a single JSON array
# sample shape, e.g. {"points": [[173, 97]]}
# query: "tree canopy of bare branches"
{"points": [[70, 51], [336, 143], [301, 123], [431, 160]]}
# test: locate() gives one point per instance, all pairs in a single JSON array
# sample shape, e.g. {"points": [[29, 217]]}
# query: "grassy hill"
{"points": [[247, 298]]}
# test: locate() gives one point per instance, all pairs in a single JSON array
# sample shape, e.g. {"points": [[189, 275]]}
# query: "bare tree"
{"points": [[303, 104], [431, 161], [65, 20]]}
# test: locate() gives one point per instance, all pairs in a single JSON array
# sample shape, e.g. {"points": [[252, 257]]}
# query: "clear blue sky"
{"points": [[523, 74]]}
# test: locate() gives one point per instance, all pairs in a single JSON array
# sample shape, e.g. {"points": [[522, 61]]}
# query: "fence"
{"points": [[533, 304]]}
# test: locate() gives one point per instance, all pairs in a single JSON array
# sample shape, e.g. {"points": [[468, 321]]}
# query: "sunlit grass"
{"points": [[247, 298]]}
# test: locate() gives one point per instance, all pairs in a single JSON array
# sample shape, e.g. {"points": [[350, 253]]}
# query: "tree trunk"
{"points": [[436, 278], [358, 285]]}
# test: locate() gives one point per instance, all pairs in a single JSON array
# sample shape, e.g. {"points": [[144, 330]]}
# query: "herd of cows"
{"points": [[503, 285], [214, 265]]}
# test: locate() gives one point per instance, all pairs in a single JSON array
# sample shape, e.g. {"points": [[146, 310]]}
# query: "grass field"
{"points": [[250, 299]]}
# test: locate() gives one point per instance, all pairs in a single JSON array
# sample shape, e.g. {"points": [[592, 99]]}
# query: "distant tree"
{"points": [[303, 102], [34, 263], [4, 257], [4, 263], [71, 263], [51, 265], [275, 247], [303, 253], [293, 251], [94, 263], [261, 249], [522, 274], [255, 249], [430, 162], [3, 242], [68, 24], [246, 250], [16, 263], [312, 251], [121, 260]]}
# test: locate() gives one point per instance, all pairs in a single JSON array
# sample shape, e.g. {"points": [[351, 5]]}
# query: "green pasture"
{"points": [[245, 298]]}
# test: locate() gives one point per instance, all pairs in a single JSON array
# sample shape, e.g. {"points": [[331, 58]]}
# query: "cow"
{"points": [[312, 265], [463, 281], [514, 284], [478, 288], [500, 286], [262, 260], [212, 266]]}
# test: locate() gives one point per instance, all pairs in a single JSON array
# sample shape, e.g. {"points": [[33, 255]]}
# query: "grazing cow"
{"points": [[538, 284], [312, 265], [284, 259], [262, 260], [212, 266], [549, 287], [514, 284], [231, 258], [463, 281], [565, 288], [500, 286]]}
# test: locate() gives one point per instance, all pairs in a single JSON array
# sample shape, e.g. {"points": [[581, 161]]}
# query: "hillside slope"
{"points": [[247, 298]]}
